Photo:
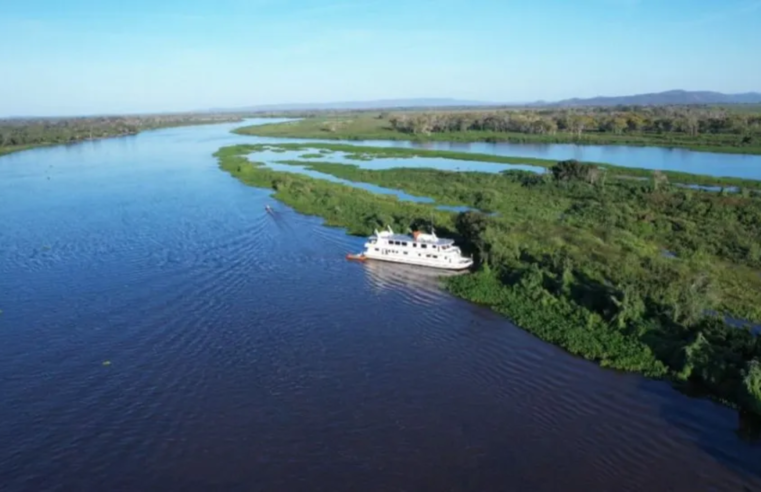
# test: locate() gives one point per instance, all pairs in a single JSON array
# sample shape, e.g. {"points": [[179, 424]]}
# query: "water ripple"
{"points": [[162, 331]]}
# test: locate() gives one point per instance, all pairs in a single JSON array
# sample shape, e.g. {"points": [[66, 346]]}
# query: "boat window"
{"points": [[434, 256], [414, 245], [376, 249], [423, 246], [405, 252], [404, 244]]}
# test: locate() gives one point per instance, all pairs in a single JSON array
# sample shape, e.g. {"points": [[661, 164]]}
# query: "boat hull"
{"points": [[418, 262]]}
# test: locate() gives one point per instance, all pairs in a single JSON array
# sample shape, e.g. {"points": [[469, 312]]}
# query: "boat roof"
{"points": [[421, 239]]}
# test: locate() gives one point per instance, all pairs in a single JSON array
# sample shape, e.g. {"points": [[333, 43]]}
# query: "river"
{"points": [[161, 331]]}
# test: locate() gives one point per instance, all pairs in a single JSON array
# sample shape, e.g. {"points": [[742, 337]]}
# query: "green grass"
{"points": [[579, 265], [370, 127], [358, 152], [39, 132], [17, 148]]}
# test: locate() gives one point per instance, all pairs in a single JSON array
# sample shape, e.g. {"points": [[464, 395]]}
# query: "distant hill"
{"points": [[662, 98], [353, 105], [675, 97]]}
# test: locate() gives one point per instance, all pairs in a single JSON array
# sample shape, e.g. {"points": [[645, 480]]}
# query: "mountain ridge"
{"points": [[676, 96], [670, 97], [371, 104]]}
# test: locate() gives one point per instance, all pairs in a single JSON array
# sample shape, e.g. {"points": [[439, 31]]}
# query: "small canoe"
{"points": [[355, 257]]}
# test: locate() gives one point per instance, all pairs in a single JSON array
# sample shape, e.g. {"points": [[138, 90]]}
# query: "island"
{"points": [[709, 128], [638, 270]]}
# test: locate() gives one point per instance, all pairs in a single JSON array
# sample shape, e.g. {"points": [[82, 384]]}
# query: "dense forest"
{"points": [[16, 133], [657, 119], [639, 275]]}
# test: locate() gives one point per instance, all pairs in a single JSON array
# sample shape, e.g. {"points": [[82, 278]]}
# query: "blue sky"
{"points": [[88, 56]]}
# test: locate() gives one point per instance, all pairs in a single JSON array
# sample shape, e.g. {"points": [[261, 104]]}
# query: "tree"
{"points": [[635, 122], [377, 221], [593, 175], [630, 306], [691, 124], [471, 227], [571, 170], [618, 124], [751, 389], [659, 180], [577, 123]]}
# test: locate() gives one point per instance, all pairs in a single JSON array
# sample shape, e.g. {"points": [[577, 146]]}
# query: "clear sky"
{"points": [[95, 56]]}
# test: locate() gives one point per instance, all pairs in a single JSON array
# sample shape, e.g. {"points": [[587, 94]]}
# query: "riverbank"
{"points": [[24, 134], [578, 263], [360, 153], [18, 148], [378, 127]]}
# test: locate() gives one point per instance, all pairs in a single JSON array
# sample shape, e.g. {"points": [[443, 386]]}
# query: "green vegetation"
{"points": [[364, 153], [357, 210], [24, 133], [578, 261], [713, 129], [14, 148]]}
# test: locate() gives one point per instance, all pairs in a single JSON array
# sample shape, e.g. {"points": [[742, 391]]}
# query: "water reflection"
{"points": [[714, 431], [414, 280]]}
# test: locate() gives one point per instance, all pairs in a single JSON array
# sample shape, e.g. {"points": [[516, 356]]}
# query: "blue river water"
{"points": [[161, 331]]}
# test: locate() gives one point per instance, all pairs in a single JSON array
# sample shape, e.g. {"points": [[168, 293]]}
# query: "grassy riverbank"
{"points": [[16, 148], [378, 126], [22, 134], [358, 152], [577, 263]]}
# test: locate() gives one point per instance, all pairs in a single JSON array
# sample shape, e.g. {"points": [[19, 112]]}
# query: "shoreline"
{"points": [[310, 128], [20, 148], [363, 152], [12, 149], [557, 306]]}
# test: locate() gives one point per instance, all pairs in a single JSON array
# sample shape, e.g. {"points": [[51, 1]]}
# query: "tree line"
{"points": [[40, 131], [692, 121]]}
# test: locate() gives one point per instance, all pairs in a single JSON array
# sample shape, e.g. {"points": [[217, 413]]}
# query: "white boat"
{"points": [[417, 249]]}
